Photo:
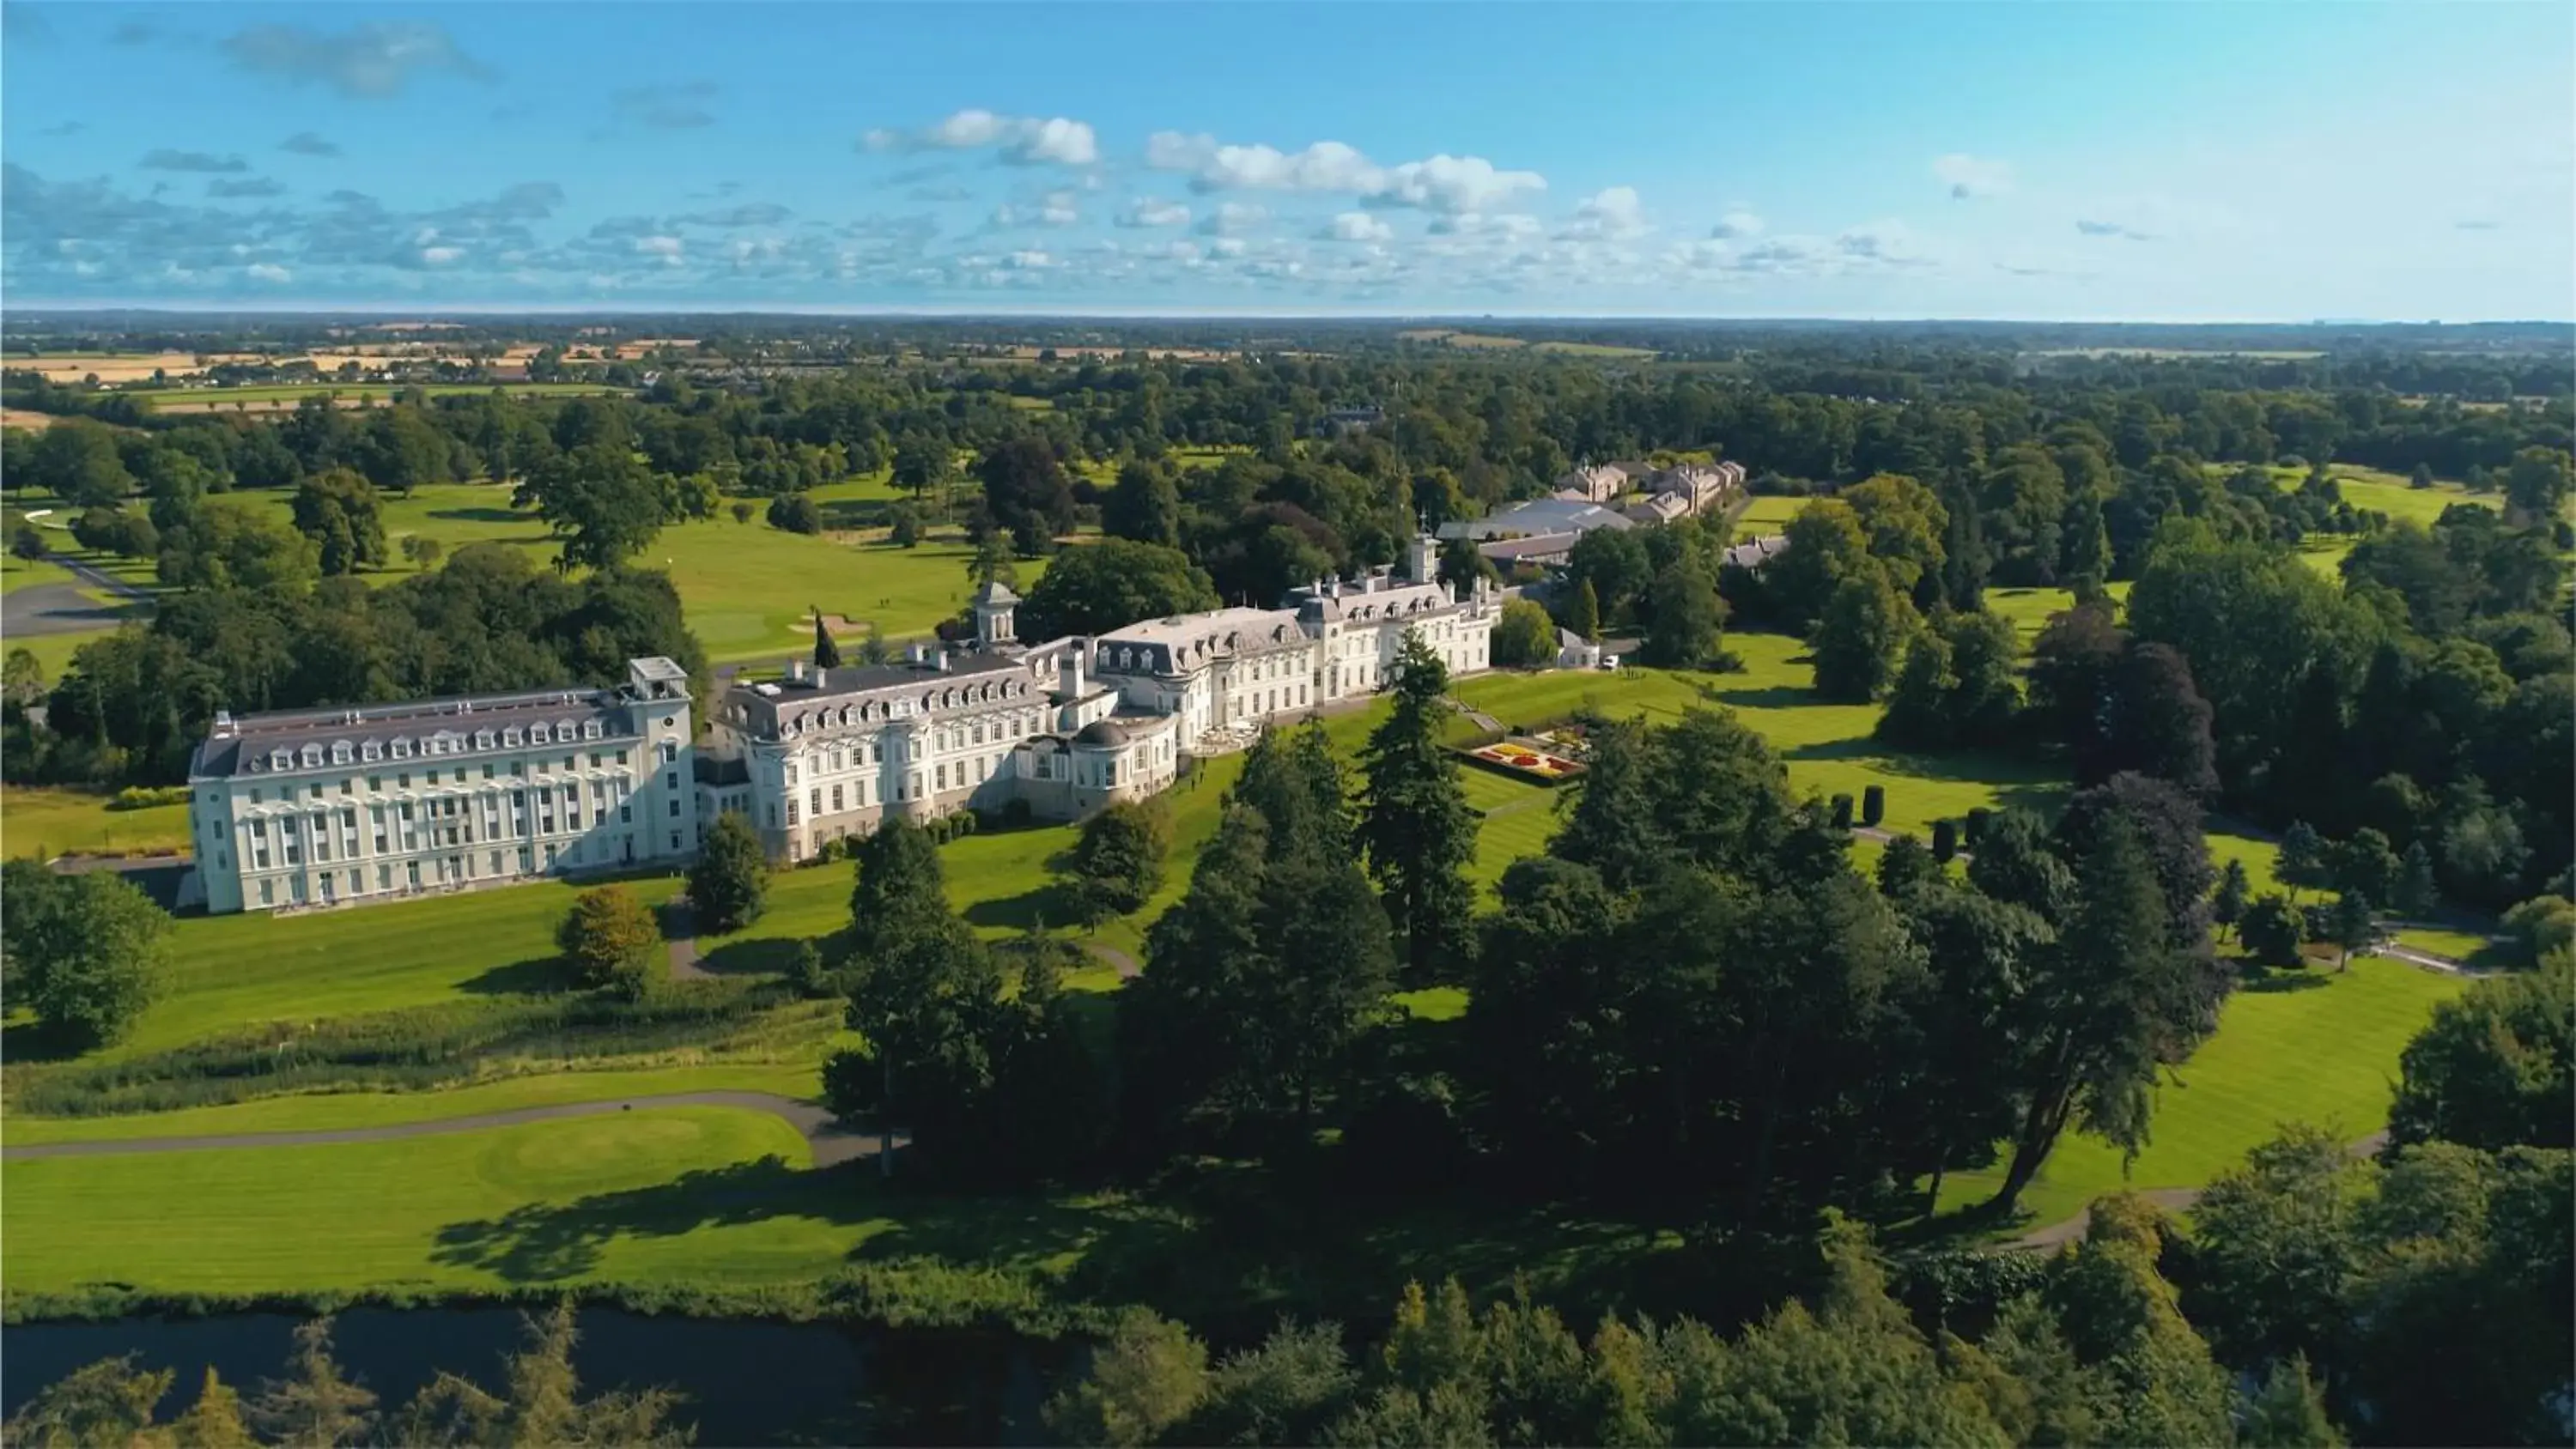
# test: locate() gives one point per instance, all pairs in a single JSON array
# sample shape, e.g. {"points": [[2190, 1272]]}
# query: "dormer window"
{"points": [[370, 750], [312, 756], [482, 739], [402, 748], [590, 729], [510, 737], [280, 760], [339, 752], [538, 734]]}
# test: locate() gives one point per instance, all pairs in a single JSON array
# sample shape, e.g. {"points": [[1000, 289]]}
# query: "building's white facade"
{"points": [[325, 807], [1073, 724], [320, 807]]}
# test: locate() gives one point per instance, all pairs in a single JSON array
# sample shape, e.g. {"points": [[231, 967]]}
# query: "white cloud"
{"points": [[1057, 208], [1029, 261], [1478, 223], [1969, 177], [2111, 228], [1442, 183], [1455, 183], [1227, 246], [1021, 140], [1154, 211], [666, 248], [1736, 224], [440, 256], [1355, 226], [266, 272], [1233, 218], [1613, 214]]}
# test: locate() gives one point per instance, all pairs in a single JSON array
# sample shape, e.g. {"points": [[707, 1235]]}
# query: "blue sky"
{"points": [[2164, 162]]}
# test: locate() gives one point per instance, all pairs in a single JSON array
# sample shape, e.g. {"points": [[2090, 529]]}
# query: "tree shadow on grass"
{"points": [[550, 1242], [1046, 903], [1772, 696], [484, 515], [2285, 981], [766, 955], [31, 1041], [543, 1242], [543, 975]]}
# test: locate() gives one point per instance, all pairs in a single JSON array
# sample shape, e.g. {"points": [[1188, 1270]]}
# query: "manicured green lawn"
{"points": [[17, 573], [2314, 1046], [54, 652], [674, 1194], [325, 1111], [46, 822], [747, 587], [229, 971], [1767, 513], [2028, 610]]}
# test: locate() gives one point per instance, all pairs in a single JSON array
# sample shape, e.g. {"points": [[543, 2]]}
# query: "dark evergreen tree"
{"points": [[1415, 826]]}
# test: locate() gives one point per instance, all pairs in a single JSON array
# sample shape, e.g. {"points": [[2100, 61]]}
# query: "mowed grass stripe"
{"points": [[2316, 1046], [330, 1111], [675, 1194]]}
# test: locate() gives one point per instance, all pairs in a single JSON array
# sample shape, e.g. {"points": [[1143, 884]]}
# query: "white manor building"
{"points": [[335, 806], [324, 806]]}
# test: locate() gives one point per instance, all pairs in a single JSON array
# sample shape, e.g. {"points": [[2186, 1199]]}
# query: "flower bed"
{"points": [[1526, 758]]}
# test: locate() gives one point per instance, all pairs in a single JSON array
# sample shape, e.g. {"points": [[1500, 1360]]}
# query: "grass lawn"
{"points": [[2312, 1046], [17, 573], [228, 971], [325, 1111], [1767, 513], [37, 821], [54, 652], [747, 587], [668, 1194], [2028, 610]]}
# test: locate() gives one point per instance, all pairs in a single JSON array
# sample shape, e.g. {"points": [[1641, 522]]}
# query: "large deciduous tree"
{"points": [[611, 941], [341, 513], [1859, 639], [1116, 865], [85, 951], [1686, 614], [1110, 584], [601, 501]]}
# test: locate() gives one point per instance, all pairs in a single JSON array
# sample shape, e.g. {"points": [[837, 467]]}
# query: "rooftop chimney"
{"points": [[1069, 673], [796, 671]]}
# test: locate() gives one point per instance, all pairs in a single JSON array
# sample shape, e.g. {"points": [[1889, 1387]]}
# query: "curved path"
{"points": [[832, 1143]]}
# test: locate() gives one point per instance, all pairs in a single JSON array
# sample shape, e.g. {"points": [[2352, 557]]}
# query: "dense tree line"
{"points": [[132, 706]]}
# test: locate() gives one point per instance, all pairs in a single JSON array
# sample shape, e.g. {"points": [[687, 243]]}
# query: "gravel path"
{"points": [[832, 1143]]}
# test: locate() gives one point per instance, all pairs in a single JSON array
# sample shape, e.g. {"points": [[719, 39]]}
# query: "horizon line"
{"points": [[936, 312]]}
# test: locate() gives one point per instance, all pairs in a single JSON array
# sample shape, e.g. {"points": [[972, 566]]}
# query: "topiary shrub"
{"points": [[1873, 804], [1842, 807]]}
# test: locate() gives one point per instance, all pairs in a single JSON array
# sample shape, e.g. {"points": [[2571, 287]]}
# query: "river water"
{"points": [[745, 1382]]}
